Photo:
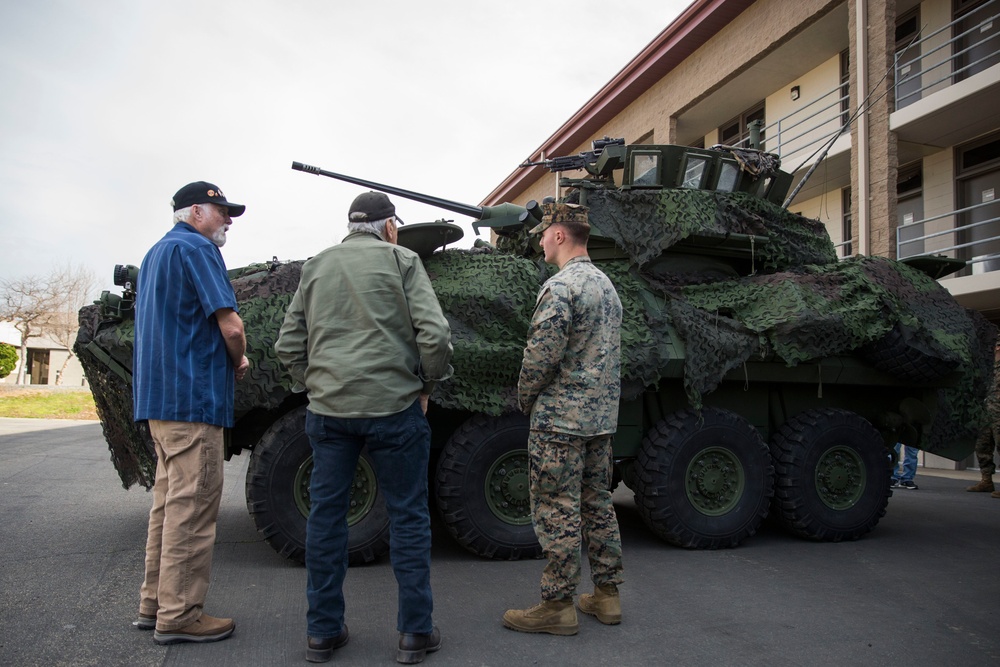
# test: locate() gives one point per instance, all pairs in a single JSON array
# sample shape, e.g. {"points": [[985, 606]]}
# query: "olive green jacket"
{"points": [[365, 333]]}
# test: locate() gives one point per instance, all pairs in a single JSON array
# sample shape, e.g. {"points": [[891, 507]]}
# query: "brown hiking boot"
{"points": [[604, 604], [995, 494], [205, 629], [556, 617], [986, 484]]}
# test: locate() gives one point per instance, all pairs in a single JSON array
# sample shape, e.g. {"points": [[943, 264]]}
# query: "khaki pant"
{"points": [[181, 535]]}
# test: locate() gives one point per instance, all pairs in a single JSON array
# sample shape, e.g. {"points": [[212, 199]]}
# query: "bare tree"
{"points": [[45, 306], [74, 285]]}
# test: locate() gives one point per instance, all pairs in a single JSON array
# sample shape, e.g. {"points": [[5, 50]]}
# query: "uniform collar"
{"points": [[362, 235]]}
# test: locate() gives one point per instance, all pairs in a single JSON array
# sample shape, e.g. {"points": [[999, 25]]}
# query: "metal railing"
{"points": [[982, 250], [941, 64], [844, 249], [797, 135]]}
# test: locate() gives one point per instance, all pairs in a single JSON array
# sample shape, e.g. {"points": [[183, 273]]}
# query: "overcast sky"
{"points": [[107, 107]]}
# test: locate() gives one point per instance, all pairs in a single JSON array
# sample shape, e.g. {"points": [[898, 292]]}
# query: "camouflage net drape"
{"points": [[800, 305], [646, 222]]}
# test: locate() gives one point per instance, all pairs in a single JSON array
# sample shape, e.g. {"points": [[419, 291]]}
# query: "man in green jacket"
{"points": [[366, 337]]}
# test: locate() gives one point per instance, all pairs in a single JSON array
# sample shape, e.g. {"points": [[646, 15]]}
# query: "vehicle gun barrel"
{"points": [[448, 205], [504, 215]]}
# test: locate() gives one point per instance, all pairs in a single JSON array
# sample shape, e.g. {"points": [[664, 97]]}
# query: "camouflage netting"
{"points": [[263, 294], [800, 305], [818, 311], [489, 297], [130, 443], [646, 222]]}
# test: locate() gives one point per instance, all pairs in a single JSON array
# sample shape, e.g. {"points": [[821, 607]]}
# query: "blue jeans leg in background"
{"points": [[909, 462], [400, 447]]}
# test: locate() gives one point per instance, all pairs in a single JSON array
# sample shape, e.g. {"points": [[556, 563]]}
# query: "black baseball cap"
{"points": [[372, 206], [203, 192]]}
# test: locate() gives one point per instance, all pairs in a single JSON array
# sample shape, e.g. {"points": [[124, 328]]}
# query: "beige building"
{"points": [[46, 361], [917, 169]]}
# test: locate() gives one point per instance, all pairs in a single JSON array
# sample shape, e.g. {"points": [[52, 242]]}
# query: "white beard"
{"points": [[219, 237]]}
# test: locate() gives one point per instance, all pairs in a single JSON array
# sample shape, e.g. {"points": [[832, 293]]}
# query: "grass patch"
{"points": [[42, 404]]}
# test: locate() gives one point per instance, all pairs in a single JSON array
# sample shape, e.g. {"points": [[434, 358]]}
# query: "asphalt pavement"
{"points": [[922, 589]]}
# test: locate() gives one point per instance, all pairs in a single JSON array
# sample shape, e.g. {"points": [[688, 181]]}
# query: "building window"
{"points": [[737, 131], [978, 188], [977, 47], [38, 365], [910, 209], [907, 58]]}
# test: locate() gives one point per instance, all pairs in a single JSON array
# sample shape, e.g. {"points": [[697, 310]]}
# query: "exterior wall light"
{"points": [[795, 92]]}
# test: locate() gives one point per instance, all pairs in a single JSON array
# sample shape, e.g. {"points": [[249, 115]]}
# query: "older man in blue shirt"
{"points": [[189, 351]]}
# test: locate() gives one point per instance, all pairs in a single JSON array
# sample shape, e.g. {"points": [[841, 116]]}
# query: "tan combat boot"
{"points": [[604, 604], [986, 484], [995, 494], [556, 617]]}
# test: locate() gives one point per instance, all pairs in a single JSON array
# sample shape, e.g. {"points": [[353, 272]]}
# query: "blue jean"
{"points": [[399, 446], [909, 464]]}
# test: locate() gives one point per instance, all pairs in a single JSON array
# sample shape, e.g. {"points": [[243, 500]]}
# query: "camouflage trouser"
{"points": [[985, 444], [571, 505]]}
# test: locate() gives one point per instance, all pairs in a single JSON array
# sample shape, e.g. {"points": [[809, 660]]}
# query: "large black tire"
{"points": [[833, 475], [482, 488], [704, 479], [278, 494]]}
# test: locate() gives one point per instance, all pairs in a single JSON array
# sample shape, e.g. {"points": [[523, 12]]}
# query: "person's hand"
{"points": [[242, 369], [424, 398]]}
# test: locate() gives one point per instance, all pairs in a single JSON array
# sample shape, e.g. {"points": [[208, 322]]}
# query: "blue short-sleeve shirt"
{"points": [[181, 369]]}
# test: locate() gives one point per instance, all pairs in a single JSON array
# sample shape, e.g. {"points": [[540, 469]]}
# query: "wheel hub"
{"points": [[507, 488], [364, 489], [714, 481], [840, 478]]}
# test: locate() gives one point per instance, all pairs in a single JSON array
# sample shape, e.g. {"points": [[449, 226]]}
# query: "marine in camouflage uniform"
{"points": [[989, 436], [570, 385]]}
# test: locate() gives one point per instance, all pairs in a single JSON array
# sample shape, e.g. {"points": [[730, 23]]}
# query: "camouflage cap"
{"points": [[573, 214]]}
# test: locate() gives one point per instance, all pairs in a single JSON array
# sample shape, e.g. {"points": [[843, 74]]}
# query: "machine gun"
{"points": [[602, 159]]}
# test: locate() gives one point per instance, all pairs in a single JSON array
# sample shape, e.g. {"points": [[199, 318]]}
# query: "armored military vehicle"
{"points": [[760, 374]]}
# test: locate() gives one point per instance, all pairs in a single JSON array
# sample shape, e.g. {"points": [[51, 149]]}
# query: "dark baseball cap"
{"points": [[203, 192], [372, 206]]}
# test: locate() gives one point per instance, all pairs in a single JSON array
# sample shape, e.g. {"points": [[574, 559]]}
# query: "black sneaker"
{"points": [[908, 484], [895, 483]]}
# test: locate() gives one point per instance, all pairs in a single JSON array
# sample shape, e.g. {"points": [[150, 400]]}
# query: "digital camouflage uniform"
{"points": [[569, 385], [989, 435]]}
